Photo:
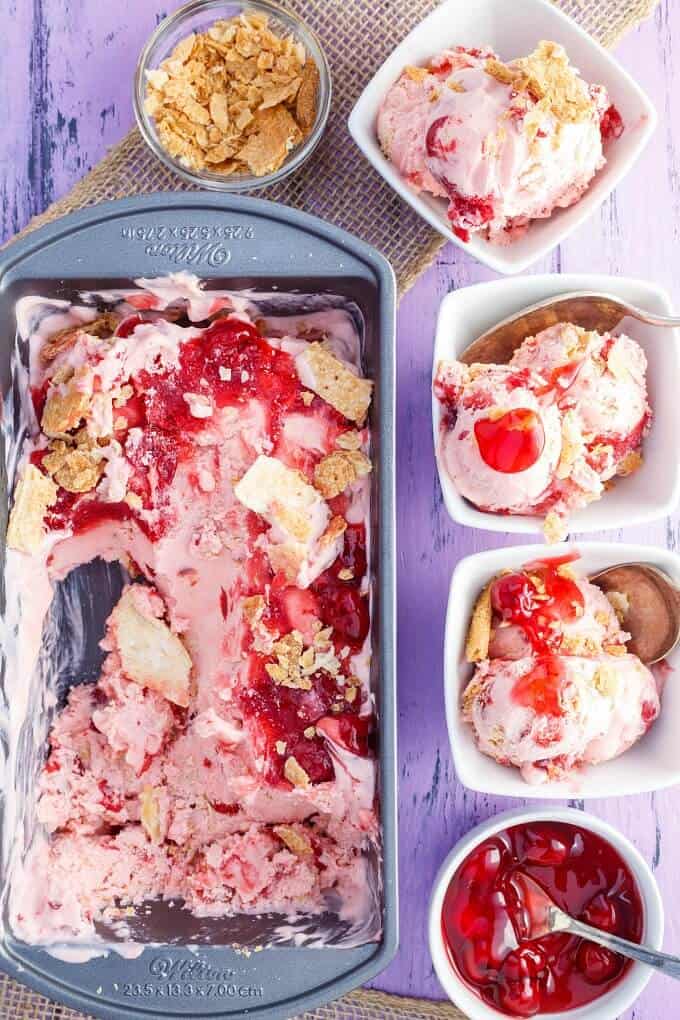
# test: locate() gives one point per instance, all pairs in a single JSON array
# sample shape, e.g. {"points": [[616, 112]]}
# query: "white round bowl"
{"points": [[608, 1006]]}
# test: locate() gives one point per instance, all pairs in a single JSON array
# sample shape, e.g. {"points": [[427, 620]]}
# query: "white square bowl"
{"points": [[651, 764], [512, 29], [654, 490]]}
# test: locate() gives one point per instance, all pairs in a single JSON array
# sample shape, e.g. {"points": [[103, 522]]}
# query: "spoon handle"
{"points": [[656, 320], [653, 958]]}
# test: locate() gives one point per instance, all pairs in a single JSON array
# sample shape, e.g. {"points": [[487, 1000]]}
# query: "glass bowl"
{"points": [[198, 16]]}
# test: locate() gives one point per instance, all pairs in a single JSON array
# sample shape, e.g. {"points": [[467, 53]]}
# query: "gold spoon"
{"points": [[601, 312], [652, 616]]}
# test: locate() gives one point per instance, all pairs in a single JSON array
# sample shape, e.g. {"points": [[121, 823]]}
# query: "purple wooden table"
{"points": [[80, 57]]}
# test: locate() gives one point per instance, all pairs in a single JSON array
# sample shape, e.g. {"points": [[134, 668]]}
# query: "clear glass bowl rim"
{"points": [[241, 182]]}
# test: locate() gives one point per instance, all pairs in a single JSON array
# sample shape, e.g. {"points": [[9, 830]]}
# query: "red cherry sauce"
{"points": [[483, 918], [335, 600], [128, 325], [229, 362], [438, 144], [561, 379], [535, 599], [467, 212], [611, 124], [282, 714], [621, 445], [511, 443]]}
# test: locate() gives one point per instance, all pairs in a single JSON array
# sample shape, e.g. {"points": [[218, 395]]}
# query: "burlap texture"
{"points": [[337, 183], [357, 35], [18, 1003]]}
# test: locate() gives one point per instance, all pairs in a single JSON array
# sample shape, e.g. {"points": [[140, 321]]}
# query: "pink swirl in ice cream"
{"points": [[504, 143], [223, 757], [546, 432], [554, 688]]}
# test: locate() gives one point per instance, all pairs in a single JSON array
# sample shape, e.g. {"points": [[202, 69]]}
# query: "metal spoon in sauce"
{"points": [[539, 915], [652, 614], [601, 312]]}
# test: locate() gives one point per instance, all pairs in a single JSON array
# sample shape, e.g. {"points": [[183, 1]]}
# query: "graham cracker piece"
{"points": [[275, 134], [151, 655], [296, 841], [287, 670], [35, 492], [479, 631], [253, 607], [555, 527], [64, 411], [550, 85], [416, 74], [350, 440], [501, 72], [295, 773], [150, 814], [631, 463], [102, 327], [74, 469], [281, 495], [286, 559], [337, 526], [347, 393], [307, 101], [339, 470], [552, 80]]}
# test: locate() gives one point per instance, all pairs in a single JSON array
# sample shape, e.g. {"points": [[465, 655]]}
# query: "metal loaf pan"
{"points": [[238, 243]]}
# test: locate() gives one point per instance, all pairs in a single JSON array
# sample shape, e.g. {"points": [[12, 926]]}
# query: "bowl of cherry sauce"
{"points": [[476, 932]]}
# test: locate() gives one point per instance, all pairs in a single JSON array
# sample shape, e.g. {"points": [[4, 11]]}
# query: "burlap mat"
{"points": [[18, 1002], [337, 183], [357, 35]]}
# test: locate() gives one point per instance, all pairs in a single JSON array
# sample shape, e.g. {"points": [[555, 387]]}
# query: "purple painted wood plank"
{"points": [[80, 57]]}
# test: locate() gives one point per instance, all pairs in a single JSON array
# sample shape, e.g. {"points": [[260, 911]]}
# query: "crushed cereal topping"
{"points": [[63, 339], [235, 99], [295, 773], [550, 84], [337, 471], [296, 840]]}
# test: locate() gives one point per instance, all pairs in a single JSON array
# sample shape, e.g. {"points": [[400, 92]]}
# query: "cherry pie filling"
{"points": [[483, 918]]}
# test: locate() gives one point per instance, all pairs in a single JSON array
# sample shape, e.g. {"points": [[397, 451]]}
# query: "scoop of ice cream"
{"points": [[600, 377], [548, 717], [501, 445], [590, 630], [554, 687], [506, 143], [583, 398]]}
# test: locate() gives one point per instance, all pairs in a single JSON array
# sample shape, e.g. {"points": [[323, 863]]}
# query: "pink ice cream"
{"points": [[504, 143], [222, 758], [554, 688], [543, 434]]}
